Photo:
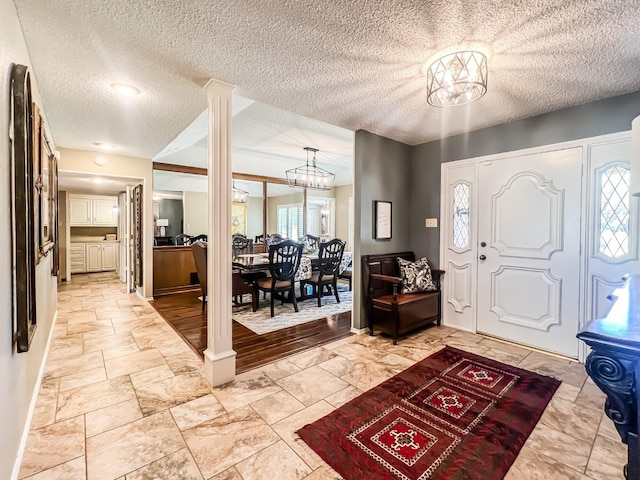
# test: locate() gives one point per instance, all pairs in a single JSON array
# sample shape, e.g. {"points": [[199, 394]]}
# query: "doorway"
{"points": [[534, 241]]}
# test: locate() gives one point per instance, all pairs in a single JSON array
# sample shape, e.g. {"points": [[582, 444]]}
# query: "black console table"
{"points": [[614, 365]]}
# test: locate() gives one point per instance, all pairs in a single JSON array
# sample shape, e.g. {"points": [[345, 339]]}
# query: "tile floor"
{"points": [[123, 398]]}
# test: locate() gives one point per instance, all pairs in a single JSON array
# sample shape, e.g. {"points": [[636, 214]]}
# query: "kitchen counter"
{"points": [[89, 239]]}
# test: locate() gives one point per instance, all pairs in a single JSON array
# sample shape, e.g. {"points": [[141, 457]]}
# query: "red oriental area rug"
{"points": [[453, 416]]}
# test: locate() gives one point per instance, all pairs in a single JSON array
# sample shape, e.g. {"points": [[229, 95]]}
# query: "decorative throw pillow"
{"points": [[416, 276]]}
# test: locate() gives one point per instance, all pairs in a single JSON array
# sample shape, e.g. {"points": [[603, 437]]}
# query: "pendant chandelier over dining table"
{"points": [[237, 194], [310, 175]]}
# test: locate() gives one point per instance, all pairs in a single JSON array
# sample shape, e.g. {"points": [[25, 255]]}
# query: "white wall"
{"points": [[19, 372], [254, 216], [342, 194], [81, 161], [195, 213]]}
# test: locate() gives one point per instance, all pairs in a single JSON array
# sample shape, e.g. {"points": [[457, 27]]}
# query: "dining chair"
{"points": [[347, 274], [199, 250], [273, 239], [310, 241], [259, 238], [329, 258], [284, 262], [202, 237], [183, 239], [241, 246], [240, 287]]}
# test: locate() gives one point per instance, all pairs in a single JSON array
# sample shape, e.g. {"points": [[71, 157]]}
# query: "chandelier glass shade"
{"points": [[238, 195], [457, 79], [310, 175]]}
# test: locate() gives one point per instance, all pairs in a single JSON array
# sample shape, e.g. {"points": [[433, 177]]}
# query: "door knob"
{"points": [[482, 257]]}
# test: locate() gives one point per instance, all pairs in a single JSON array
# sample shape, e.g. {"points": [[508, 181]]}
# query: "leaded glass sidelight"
{"points": [[461, 215], [614, 212]]}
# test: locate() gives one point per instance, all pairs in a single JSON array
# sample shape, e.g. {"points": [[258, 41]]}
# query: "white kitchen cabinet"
{"points": [[79, 210], [78, 256], [109, 256], [94, 257], [93, 210], [105, 211]]}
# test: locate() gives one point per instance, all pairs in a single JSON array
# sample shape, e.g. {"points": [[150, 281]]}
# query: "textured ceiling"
{"points": [[357, 64]]}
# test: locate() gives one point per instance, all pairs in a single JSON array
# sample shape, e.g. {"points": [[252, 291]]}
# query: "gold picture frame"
{"points": [[239, 218]]}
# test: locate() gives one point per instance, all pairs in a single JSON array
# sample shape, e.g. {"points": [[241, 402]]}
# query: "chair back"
{"points": [[199, 250], [310, 241], [330, 256], [274, 239], [259, 238], [202, 237], [284, 260], [241, 245], [183, 239]]}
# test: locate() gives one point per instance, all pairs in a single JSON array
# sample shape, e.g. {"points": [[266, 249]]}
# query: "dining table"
{"points": [[308, 263]]}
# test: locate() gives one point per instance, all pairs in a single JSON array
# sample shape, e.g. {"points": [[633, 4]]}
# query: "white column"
{"points": [[219, 357]]}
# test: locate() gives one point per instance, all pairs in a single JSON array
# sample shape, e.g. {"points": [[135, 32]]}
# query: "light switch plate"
{"points": [[431, 223]]}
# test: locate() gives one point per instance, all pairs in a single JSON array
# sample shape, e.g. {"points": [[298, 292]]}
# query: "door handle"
{"points": [[482, 257]]}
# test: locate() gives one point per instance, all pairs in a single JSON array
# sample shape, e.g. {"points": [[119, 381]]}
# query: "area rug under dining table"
{"points": [[261, 322], [453, 415]]}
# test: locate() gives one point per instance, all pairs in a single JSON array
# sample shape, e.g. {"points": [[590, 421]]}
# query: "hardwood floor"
{"points": [[183, 312]]}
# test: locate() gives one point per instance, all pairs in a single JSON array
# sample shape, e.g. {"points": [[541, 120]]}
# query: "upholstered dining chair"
{"points": [[284, 262], [347, 273], [199, 249], [329, 258]]}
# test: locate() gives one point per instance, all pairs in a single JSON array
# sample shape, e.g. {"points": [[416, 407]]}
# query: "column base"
{"points": [[219, 368]]}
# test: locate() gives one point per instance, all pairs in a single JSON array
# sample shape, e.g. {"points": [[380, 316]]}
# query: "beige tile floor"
{"points": [[123, 398]]}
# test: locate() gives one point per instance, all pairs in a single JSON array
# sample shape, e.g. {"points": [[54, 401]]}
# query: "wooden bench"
{"points": [[387, 309]]}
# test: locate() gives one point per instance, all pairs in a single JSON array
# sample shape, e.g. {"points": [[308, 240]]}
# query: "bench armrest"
{"points": [[386, 278]]}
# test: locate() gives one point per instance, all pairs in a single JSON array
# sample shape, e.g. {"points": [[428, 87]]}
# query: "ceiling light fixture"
{"points": [[238, 195], [125, 90], [100, 160], [104, 146], [457, 79], [310, 175]]}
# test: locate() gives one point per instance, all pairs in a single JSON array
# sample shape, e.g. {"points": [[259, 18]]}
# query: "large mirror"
{"points": [[180, 206]]}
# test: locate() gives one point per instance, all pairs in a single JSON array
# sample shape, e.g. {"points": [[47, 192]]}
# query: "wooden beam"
{"points": [[168, 167], [259, 178]]}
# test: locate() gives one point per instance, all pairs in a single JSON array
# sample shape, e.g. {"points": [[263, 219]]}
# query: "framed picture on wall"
{"points": [[239, 218], [382, 217], [23, 137]]}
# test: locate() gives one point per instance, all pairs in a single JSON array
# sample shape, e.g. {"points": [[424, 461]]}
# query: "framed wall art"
{"points": [[382, 223], [25, 241]]}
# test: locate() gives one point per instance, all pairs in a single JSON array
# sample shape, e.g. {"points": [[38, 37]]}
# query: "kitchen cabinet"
{"points": [[78, 255], [94, 256], [93, 210]]}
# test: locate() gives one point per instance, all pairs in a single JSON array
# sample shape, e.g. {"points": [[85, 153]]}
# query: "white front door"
{"points": [[529, 213]]}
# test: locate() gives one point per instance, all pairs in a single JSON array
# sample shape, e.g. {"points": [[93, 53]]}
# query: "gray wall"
{"points": [[382, 171], [583, 121], [172, 210]]}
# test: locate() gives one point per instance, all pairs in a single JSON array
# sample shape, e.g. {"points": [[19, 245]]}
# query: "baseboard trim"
{"points": [[32, 403]]}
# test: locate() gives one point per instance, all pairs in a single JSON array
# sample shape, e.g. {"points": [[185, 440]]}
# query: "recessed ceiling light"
{"points": [[104, 146], [125, 90], [100, 160], [97, 180]]}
